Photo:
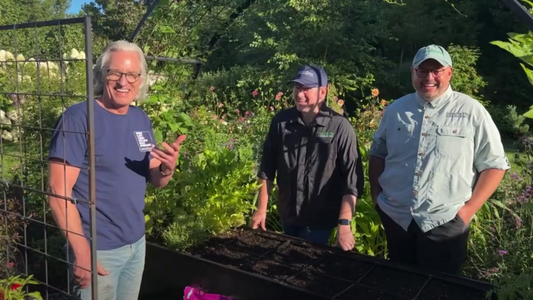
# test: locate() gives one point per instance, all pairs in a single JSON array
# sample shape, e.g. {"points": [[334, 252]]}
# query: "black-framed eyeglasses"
{"points": [[423, 73], [115, 75]]}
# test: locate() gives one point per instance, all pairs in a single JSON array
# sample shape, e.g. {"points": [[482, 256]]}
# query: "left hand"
{"points": [[466, 214], [169, 155], [345, 239]]}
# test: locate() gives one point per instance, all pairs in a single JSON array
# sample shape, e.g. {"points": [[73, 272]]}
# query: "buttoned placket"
{"points": [[423, 146]]}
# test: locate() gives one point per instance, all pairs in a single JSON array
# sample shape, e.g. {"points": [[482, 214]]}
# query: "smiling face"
{"points": [[122, 78], [431, 79], [307, 99]]}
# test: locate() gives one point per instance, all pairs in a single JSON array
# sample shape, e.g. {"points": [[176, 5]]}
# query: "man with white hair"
{"points": [[436, 158], [125, 160]]}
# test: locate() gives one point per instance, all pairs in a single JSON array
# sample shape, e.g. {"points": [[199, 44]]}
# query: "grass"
{"points": [[7, 161]]}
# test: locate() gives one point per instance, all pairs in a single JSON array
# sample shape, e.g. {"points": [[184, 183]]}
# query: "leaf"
{"points": [[166, 29], [158, 136]]}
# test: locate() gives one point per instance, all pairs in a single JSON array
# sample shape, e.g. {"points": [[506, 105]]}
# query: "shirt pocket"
{"points": [[453, 141]]}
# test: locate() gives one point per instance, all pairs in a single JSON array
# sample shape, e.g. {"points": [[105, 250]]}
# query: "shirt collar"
{"points": [[322, 119], [443, 99]]}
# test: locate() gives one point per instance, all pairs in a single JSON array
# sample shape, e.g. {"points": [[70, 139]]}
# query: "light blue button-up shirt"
{"points": [[433, 154]]}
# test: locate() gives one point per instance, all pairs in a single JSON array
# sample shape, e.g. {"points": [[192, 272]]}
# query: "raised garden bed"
{"points": [[256, 265]]}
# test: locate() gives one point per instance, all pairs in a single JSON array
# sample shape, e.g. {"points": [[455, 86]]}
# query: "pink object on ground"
{"points": [[191, 293]]}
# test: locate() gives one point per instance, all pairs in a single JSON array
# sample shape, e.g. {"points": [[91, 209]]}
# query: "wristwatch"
{"points": [[344, 222], [161, 170]]}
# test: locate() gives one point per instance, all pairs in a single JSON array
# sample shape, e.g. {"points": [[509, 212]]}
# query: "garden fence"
{"points": [[39, 78]]}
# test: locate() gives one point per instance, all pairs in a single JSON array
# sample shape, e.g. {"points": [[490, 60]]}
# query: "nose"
{"points": [[122, 80]]}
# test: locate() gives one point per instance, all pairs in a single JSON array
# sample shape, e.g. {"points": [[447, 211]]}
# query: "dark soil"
{"points": [[358, 292], [224, 255], [298, 254], [396, 282], [271, 269], [323, 285], [440, 290], [342, 267], [254, 243]]}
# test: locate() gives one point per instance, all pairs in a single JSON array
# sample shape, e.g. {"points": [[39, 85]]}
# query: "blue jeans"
{"points": [[125, 266], [319, 236]]}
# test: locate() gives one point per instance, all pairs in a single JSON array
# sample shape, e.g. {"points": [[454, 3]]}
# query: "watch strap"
{"points": [[344, 222]]}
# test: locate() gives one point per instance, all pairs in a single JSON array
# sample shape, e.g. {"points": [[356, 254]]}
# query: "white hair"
{"points": [[102, 62]]}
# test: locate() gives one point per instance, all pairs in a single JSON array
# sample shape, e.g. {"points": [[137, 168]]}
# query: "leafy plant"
{"points": [[13, 288]]}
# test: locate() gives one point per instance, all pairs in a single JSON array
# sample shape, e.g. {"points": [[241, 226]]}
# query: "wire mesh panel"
{"points": [[44, 68]]}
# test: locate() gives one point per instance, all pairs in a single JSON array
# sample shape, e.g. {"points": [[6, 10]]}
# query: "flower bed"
{"points": [[262, 265]]}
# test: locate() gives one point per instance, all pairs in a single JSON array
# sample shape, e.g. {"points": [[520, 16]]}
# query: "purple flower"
{"points": [[502, 252], [522, 198], [515, 176]]}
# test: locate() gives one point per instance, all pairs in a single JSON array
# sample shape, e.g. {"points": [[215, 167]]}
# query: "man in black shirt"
{"points": [[313, 154]]}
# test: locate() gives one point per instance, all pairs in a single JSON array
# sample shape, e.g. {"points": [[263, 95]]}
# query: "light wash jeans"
{"points": [[125, 266]]}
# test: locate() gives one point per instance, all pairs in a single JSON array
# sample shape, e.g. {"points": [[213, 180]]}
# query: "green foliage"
{"points": [[465, 78], [520, 45], [212, 190], [13, 288]]}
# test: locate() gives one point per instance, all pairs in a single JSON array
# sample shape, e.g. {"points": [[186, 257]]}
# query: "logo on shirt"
{"points": [[325, 134], [144, 140], [457, 115]]}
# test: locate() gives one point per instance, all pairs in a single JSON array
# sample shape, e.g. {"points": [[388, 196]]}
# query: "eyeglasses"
{"points": [[115, 75], [423, 73]]}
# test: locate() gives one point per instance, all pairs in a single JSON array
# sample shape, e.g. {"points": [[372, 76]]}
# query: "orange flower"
{"points": [[375, 92], [383, 102], [340, 102]]}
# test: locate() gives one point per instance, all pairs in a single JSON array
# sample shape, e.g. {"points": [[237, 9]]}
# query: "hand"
{"points": [[82, 273], [345, 239], [466, 214], [259, 220], [169, 155]]}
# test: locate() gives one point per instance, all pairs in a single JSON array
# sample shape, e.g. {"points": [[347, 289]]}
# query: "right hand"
{"points": [[259, 220], [82, 264]]}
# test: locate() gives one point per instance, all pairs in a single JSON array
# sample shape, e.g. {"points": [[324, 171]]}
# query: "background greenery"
{"points": [[250, 50]]}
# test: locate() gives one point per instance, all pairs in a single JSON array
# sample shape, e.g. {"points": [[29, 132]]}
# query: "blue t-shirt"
{"points": [[122, 159]]}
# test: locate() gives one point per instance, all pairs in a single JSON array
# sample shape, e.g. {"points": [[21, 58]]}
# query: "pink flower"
{"points": [[246, 113], [212, 88], [502, 252], [278, 95], [271, 108], [10, 264], [255, 93], [243, 119]]}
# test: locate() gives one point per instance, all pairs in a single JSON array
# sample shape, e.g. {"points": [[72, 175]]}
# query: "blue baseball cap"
{"points": [[311, 76]]}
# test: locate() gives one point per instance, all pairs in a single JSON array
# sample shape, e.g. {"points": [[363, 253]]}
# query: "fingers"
{"points": [[178, 141], [101, 270], [263, 226]]}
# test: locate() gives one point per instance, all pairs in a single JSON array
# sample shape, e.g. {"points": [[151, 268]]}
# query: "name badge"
{"points": [[144, 140]]}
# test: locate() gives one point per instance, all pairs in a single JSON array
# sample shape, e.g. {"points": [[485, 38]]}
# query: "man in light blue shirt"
{"points": [[437, 156]]}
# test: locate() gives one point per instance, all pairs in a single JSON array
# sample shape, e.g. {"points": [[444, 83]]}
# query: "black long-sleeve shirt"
{"points": [[315, 166]]}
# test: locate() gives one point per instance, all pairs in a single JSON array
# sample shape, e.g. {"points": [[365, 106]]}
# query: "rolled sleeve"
{"points": [[69, 141], [350, 161], [489, 152], [379, 143], [267, 170]]}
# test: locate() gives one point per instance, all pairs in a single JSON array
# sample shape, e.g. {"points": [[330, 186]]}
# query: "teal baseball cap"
{"points": [[435, 52]]}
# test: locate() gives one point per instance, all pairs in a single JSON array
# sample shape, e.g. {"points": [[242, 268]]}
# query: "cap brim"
{"points": [[440, 61], [304, 83]]}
